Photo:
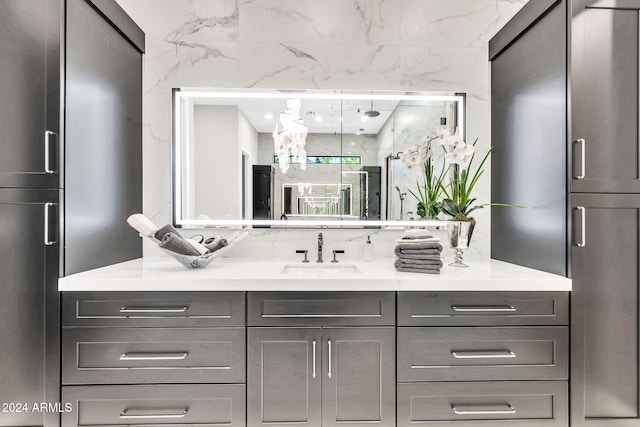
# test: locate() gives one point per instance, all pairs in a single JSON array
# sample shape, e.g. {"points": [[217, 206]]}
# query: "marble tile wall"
{"points": [[325, 44]]}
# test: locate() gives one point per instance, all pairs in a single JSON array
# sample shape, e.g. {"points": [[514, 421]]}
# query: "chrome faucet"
{"points": [[319, 248]]}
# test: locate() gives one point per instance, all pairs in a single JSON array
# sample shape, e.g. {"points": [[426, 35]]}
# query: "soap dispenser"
{"points": [[368, 250]]}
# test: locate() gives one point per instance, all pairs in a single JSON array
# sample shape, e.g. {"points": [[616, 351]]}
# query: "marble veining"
{"points": [[331, 44]]}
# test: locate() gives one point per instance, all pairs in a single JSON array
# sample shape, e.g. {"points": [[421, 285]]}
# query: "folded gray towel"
{"points": [[417, 248], [418, 270], [435, 255], [215, 244], [426, 264], [176, 243], [162, 231]]}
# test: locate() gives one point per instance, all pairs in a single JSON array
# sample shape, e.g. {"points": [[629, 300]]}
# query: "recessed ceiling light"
{"points": [[365, 118], [339, 119], [318, 118], [268, 116]]}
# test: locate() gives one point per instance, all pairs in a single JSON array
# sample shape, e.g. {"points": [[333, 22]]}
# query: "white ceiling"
{"points": [[320, 115]]}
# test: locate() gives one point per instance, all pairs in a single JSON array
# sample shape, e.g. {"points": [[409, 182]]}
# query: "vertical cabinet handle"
{"points": [[313, 357], [583, 228], [583, 160], [47, 152], [329, 344], [47, 237]]}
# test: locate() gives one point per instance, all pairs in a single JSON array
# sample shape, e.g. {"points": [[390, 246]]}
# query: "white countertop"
{"points": [[241, 274]]}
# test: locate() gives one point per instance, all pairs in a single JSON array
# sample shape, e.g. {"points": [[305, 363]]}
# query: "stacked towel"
{"points": [[418, 252]]}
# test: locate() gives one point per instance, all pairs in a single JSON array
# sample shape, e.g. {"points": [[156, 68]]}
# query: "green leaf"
{"points": [[450, 207]]}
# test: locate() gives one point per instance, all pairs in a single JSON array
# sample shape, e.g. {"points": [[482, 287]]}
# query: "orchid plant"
{"points": [[436, 195], [429, 193], [458, 202]]}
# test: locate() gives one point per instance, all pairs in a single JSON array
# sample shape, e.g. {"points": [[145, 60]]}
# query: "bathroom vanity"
{"points": [[148, 342]]}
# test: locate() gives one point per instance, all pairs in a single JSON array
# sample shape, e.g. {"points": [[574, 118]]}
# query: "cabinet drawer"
{"points": [[482, 308], [498, 353], [321, 308], [159, 309], [508, 404], [153, 355], [170, 405]]}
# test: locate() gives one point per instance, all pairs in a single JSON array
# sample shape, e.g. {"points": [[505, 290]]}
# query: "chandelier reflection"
{"points": [[289, 142]]}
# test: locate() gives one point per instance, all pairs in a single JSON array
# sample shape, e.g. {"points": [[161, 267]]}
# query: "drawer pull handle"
{"points": [[130, 414], [496, 308], [499, 354], [483, 410], [181, 309], [154, 356]]}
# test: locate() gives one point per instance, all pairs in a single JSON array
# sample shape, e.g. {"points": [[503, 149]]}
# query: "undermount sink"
{"points": [[321, 269]]}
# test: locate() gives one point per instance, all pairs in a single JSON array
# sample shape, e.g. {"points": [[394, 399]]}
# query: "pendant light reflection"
{"points": [[290, 141]]}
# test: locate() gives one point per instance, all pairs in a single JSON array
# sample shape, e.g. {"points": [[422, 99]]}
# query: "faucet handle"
{"points": [[303, 251], [335, 252]]}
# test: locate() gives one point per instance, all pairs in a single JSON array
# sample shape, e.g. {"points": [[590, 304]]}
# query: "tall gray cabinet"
{"points": [[595, 85], [70, 173]]}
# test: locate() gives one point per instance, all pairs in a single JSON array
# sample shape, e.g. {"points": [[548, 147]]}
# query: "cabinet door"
{"points": [[604, 96], [358, 376], [604, 310], [29, 325], [103, 140], [29, 89], [283, 377]]}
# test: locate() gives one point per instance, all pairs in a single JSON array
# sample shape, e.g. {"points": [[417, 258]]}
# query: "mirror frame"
{"points": [[180, 93]]}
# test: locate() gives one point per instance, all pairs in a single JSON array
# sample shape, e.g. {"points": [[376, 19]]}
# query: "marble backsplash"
{"points": [[437, 45]]}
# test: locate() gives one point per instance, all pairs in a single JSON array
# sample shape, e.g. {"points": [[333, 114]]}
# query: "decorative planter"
{"points": [[460, 233]]}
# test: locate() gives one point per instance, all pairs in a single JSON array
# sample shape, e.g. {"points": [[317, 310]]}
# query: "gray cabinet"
{"points": [[321, 308], [604, 319], [358, 376], [482, 308], [29, 334], [496, 403], [284, 379], [153, 355], [436, 363], [321, 376], [153, 309], [30, 90], [602, 162], [49, 186], [483, 354], [333, 371], [154, 358], [605, 43], [529, 133], [157, 405]]}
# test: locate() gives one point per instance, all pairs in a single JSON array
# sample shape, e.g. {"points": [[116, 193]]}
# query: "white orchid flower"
{"points": [[454, 141], [442, 134], [458, 156]]}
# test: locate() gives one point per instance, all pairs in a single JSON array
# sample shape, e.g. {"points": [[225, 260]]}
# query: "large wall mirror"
{"points": [[271, 158]]}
